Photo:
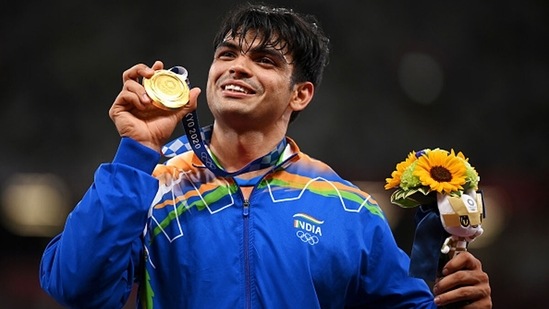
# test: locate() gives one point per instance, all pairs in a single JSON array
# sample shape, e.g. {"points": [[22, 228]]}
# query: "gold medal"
{"points": [[168, 90]]}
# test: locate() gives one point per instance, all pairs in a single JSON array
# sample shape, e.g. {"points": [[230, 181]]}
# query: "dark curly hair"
{"points": [[299, 35]]}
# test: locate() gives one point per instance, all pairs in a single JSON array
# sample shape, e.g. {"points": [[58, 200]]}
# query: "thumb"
{"points": [[191, 105]]}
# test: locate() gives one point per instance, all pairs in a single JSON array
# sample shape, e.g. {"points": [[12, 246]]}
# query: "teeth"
{"points": [[235, 88]]}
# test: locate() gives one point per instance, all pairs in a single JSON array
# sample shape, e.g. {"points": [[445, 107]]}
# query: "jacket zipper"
{"points": [[247, 270]]}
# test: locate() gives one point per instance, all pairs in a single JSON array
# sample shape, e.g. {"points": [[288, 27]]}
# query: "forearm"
{"points": [[388, 284], [91, 263]]}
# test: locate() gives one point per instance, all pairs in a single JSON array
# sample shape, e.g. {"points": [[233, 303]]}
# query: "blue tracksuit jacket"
{"points": [[305, 238]]}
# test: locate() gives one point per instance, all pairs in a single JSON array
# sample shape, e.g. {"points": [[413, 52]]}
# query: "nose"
{"points": [[240, 68]]}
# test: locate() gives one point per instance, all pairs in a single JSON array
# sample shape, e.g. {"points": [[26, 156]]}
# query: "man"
{"points": [[286, 234]]}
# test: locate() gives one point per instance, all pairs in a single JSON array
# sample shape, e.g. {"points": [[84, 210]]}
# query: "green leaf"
{"points": [[412, 198]]}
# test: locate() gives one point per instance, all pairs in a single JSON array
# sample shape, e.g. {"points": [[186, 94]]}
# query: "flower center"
{"points": [[440, 174]]}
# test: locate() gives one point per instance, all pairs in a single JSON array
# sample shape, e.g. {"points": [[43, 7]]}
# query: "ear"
{"points": [[303, 94]]}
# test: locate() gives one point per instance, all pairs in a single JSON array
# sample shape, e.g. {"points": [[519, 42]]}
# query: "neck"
{"points": [[234, 149]]}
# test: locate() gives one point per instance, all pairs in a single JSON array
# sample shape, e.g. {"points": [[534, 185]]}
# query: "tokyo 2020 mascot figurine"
{"points": [[461, 217]]}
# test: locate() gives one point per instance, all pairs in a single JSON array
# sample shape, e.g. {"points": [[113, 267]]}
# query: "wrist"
{"points": [[137, 155]]}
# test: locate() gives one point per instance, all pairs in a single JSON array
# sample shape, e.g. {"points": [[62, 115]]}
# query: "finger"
{"points": [[158, 65], [133, 95], [461, 261], [136, 72], [193, 99], [469, 285], [461, 278], [121, 105], [139, 90], [468, 297], [126, 101]]}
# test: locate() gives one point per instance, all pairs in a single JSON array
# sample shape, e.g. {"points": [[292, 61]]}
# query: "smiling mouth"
{"points": [[237, 89]]}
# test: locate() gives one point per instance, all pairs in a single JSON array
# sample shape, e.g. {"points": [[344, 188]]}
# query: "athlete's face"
{"points": [[251, 83]]}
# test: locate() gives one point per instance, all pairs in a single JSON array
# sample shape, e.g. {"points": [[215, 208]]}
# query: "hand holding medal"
{"points": [[148, 111], [168, 89]]}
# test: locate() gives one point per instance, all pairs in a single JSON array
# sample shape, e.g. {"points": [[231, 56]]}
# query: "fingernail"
{"points": [[437, 300], [445, 272]]}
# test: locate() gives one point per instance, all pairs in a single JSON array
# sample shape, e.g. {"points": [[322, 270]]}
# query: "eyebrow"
{"points": [[261, 49]]}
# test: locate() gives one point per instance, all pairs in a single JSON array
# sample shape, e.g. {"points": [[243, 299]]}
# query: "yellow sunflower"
{"points": [[397, 174], [442, 171]]}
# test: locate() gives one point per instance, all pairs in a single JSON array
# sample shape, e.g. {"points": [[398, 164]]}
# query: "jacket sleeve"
{"points": [[385, 279], [92, 263]]}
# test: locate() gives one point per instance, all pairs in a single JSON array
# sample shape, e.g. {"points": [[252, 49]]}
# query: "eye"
{"points": [[226, 54], [266, 61]]}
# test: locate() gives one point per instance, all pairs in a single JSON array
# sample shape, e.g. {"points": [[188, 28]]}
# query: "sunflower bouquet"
{"points": [[429, 171], [444, 185]]}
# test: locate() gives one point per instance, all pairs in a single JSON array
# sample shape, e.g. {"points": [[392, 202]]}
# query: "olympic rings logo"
{"points": [[308, 238], [207, 161]]}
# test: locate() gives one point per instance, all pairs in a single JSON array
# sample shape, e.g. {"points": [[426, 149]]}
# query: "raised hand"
{"points": [[136, 117]]}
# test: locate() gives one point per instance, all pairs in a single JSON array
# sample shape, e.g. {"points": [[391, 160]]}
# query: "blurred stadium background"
{"points": [[404, 75]]}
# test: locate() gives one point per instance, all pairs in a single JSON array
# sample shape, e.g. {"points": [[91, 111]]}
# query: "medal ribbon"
{"points": [[195, 139]]}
